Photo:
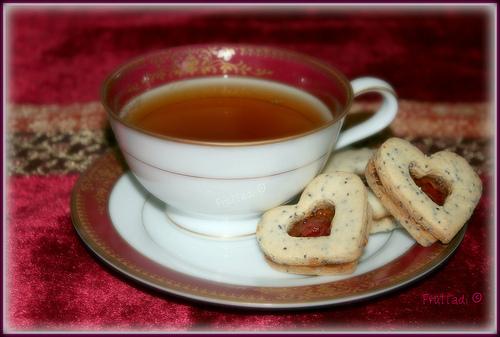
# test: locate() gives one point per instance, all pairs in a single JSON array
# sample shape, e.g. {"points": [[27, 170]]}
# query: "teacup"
{"points": [[220, 188]]}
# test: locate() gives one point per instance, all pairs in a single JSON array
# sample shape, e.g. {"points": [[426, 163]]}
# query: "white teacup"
{"points": [[221, 189]]}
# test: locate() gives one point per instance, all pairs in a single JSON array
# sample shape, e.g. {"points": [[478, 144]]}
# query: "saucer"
{"points": [[129, 229]]}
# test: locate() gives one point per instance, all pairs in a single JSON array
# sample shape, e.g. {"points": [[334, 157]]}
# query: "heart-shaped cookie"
{"points": [[431, 196], [331, 250]]}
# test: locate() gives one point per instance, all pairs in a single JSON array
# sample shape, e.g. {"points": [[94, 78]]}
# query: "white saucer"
{"points": [[129, 231], [142, 222]]}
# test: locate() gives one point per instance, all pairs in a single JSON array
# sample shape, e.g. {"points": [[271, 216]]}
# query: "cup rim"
{"points": [[293, 54]]}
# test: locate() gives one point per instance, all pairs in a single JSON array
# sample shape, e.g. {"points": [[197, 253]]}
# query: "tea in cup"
{"points": [[222, 133]]}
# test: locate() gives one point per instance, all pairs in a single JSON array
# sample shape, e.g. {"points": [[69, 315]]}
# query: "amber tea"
{"points": [[226, 110]]}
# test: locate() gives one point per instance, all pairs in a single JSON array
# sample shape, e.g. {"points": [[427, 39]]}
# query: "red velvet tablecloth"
{"points": [[437, 60]]}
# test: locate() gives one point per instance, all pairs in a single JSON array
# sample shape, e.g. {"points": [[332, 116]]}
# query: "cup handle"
{"points": [[381, 119]]}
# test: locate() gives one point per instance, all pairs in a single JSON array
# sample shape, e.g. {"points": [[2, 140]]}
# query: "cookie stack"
{"points": [[364, 192]]}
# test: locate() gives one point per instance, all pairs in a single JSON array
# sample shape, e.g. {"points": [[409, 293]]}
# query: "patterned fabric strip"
{"points": [[437, 120], [54, 153], [60, 153], [56, 118], [470, 120], [54, 139]]}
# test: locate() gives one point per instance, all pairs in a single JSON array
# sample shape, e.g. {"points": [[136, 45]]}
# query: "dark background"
{"points": [[441, 54]]}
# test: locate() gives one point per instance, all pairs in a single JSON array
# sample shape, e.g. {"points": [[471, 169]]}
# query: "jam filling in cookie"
{"points": [[324, 233], [318, 223], [435, 188]]}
